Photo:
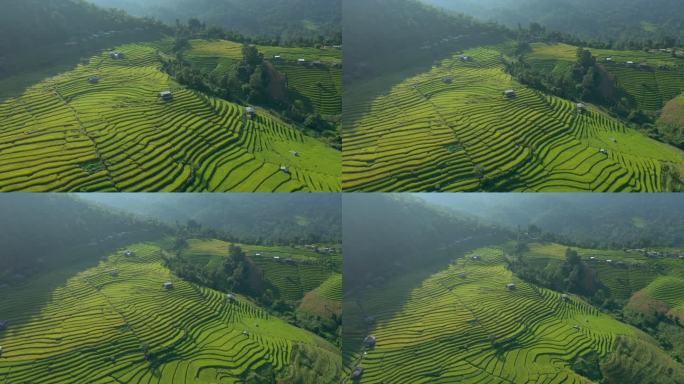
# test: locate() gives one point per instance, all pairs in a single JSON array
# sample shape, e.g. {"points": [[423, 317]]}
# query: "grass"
{"points": [[193, 143], [98, 328], [472, 329], [428, 135]]}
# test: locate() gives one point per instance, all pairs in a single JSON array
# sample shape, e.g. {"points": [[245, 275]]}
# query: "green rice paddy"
{"points": [[115, 323], [68, 134]]}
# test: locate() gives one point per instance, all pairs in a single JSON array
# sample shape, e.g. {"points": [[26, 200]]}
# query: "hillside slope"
{"points": [[615, 20], [463, 325], [456, 131], [624, 221], [71, 230], [256, 218], [287, 20], [116, 323], [115, 133]]}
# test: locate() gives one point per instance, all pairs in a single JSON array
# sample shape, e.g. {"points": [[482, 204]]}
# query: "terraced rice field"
{"points": [[427, 134], [626, 274], [96, 327], [67, 134], [309, 270], [320, 85], [463, 325], [651, 88]]}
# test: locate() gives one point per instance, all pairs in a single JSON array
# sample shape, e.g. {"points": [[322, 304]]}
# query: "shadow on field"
{"points": [[366, 78], [23, 298], [20, 70]]}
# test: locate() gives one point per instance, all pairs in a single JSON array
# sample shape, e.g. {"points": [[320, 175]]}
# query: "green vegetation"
{"points": [[41, 39], [291, 22], [428, 134], [671, 122], [463, 324], [265, 219], [306, 93], [116, 323], [301, 284], [618, 23], [70, 231], [455, 309], [143, 143]]}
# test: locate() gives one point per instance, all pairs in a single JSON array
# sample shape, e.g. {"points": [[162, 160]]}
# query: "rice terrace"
{"points": [[451, 129], [129, 319], [120, 122], [493, 108], [476, 322], [470, 298]]}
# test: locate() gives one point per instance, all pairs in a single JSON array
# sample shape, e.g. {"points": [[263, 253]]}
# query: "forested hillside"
{"points": [[29, 24], [40, 38], [253, 218], [405, 33], [591, 220], [609, 20], [390, 230], [39, 232], [287, 20]]}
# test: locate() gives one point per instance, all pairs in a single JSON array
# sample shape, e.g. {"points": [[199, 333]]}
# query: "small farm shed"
{"points": [[581, 107], [510, 286], [166, 95], [301, 61], [128, 253], [475, 257], [565, 297], [230, 297], [356, 374], [284, 169], [168, 285], [294, 153], [369, 341], [466, 58], [509, 93], [250, 111], [603, 151], [93, 79], [116, 55], [114, 273], [245, 333], [447, 80]]}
